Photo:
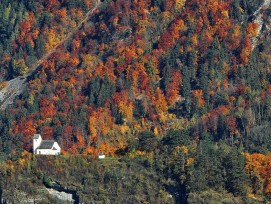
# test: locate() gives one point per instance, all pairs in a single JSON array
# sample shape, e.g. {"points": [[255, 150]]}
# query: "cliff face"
{"points": [[263, 27]]}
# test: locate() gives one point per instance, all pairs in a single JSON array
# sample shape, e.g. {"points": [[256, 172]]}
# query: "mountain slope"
{"points": [[127, 71], [183, 86], [16, 86]]}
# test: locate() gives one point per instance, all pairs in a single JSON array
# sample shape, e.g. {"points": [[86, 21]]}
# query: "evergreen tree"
{"points": [[100, 90], [236, 178], [203, 81], [267, 107], [147, 141], [186, 88], [40, 46]]}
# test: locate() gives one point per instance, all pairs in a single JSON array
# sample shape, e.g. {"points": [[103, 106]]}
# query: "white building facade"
{"points": [[45, 147]]}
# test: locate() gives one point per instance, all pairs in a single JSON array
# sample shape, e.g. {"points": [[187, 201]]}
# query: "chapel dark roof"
{"points": [[46, 144], [36, 136]]}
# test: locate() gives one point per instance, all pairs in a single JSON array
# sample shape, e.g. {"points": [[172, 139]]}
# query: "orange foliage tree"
{"points": [[258, 167], [172, 91]]}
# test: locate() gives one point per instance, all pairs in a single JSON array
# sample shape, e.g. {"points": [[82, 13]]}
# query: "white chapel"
{"points": [[45, 147]]}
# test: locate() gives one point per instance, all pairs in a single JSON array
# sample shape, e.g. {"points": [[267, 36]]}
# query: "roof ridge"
{"points": [[48, 140]]}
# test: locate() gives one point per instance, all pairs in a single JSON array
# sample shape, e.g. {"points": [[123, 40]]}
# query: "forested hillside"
{"points": [[182, 86]]}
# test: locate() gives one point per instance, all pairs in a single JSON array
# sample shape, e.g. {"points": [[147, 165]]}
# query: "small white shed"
{"points": [[101, 155]]}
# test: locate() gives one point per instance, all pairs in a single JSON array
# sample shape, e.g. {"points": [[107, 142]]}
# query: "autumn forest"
{"points": [[175, 93]]}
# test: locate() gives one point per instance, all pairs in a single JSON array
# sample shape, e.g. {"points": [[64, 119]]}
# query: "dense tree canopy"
{"points": [[191, 79]]}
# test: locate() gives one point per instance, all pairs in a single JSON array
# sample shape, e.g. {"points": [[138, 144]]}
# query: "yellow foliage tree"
{"points": [[179, 4]]}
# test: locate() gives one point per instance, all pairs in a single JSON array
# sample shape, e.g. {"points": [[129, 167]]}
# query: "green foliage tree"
{"points": [[236, 178], [100, 89], [147, 141], [176, 138]]}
